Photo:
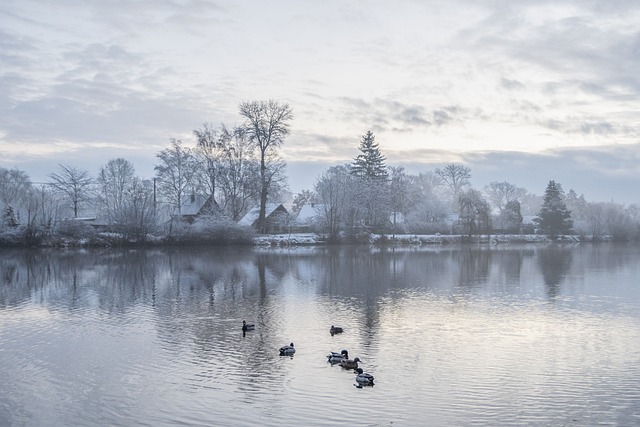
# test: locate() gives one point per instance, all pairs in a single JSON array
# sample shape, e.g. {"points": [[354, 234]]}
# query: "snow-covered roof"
{"points": [[191, 205], [250, 218], [309, 212]]}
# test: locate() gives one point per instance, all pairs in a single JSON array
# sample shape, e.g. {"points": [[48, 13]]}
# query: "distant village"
{"points": [[231, 187]]}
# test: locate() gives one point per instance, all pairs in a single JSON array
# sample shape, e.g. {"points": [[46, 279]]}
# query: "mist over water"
{"points": [[471, 335]]}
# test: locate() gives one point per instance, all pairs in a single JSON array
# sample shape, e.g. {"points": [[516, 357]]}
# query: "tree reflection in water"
{"points": [[554, 262]]}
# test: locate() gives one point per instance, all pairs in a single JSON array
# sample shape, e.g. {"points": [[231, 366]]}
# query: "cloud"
{"points": [[433, 80], [510, 84]]}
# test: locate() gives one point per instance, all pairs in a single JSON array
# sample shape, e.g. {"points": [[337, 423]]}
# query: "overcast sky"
{"points": [[519, 91]]}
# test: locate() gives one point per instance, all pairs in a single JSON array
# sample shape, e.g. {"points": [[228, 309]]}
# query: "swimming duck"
{"points": [[248, 327], [350, 364], [363, 378], [335, 357], [287, 350], [335, 330]]}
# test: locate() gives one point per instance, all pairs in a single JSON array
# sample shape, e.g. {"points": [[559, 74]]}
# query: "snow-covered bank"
{"points": [[299, 239]]}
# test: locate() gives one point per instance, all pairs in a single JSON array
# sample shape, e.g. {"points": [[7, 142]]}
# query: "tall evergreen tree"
{"points": [[370, 163], [372, 178], [554, 218]]}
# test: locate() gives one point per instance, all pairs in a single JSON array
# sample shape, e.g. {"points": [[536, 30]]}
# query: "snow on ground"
{"points": [[293, 239]]}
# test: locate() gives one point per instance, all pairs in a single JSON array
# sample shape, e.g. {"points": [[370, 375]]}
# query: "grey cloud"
{"points": [[511, 84], [413, 115], [440, 117], [591, 126], [599, 128], [384, 115]]}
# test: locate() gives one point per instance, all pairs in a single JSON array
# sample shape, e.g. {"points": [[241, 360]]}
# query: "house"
{"points": [[276, 218], [197, 205], [309, 215]]}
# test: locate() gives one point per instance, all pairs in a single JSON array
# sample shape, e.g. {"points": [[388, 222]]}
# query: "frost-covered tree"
{"points": [[554, 218], [9, 217], [238, 173], [210, 151], [266, 126], [302, 198], [370, 169], [74, 184], [510, 218], [176, 173], [370, 163], [15, 185], [398, 189], [475, 213], [137, 216], [456, 178], [426, 212], [335, 189], [114, 183], [576, 204], [501, 193]]}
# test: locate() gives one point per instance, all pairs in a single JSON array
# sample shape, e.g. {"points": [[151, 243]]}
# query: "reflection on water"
{"points": [[508, 335], [554, 263]]}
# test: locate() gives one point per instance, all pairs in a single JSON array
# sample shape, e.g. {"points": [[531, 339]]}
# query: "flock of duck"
{"points": [[335, 358]]}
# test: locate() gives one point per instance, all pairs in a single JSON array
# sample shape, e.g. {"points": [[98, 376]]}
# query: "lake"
{"points": [[505, 335]]}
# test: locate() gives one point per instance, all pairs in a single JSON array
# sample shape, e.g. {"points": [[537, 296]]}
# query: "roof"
{"points": [[250, 218], [193, 204], [309, 212]]}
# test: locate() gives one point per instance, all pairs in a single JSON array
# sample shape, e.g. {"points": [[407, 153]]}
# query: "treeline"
{"points": [[233, 170], [366, 194]]}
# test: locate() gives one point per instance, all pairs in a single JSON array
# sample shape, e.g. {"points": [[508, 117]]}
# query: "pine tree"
{"points": [[9, 217], [370, 163], [554, 218]]}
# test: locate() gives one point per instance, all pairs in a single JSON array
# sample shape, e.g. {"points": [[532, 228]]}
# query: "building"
{"points": [[277, 218]]}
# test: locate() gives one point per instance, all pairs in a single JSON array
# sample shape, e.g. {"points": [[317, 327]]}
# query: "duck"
{"points": [[287, 350], [363, 378], [335, 330], [248, 326], [350, 364], [335, 357]]}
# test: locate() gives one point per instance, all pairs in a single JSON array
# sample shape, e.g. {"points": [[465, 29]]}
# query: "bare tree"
{"points": [[456, 177], [238, 173], [334, 189], [44, 208], [398, 194], [267, 124], [211, 149], [74, 184], [114, 183], [421, 190], [15, 185], [175, 173], [137, 218], [475, 213], [501, 193]]}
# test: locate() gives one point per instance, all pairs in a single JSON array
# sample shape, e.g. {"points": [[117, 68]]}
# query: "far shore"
{"points": [[301, 239], [106, 240]]}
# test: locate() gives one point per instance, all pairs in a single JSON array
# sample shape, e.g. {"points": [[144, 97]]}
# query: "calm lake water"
{"points": [[455, 336]]}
